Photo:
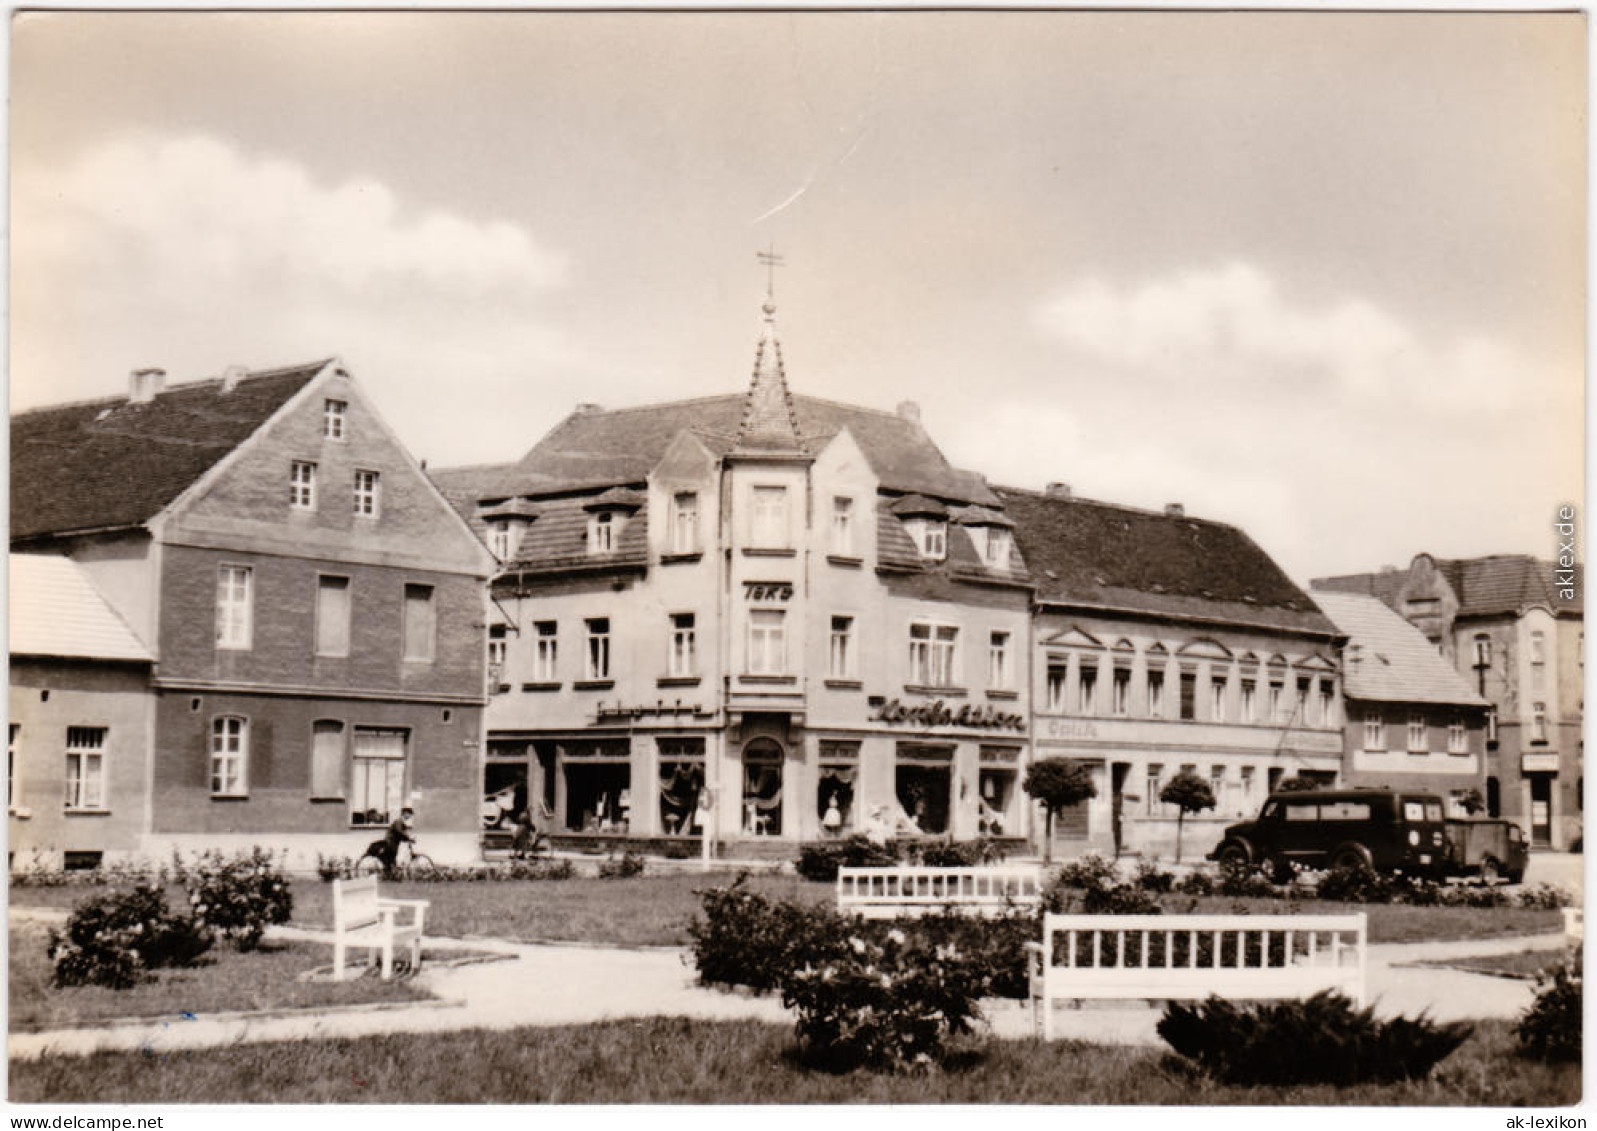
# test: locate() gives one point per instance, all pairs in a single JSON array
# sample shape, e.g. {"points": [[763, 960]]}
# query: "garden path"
{"points": [[542, 985]]}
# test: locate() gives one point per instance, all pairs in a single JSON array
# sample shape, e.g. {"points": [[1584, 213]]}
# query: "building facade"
{"points": [[793, 609], [1163, 643], [313, 605], [1514, 628], [1413, 723]]}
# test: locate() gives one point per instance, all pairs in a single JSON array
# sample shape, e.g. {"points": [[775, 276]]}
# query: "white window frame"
{"points": [[683, 658], [842, 539], [1120, 690], [1419, 735], [1087, 688], [1483, 650], [1327, 695], [1000, 671], [996, 552], [235, 607], [368, 493], [1156, 692], [1217, 696], [767, 642], [364, 763], [931, 537], [498, 645], [1538, 722], [768, 517], [602, 532], [302, 485], [1374, 732], [1057, 681], [546, 651], [596, 654], [501, 541], [230, 756], [85, 748], [1250, 700], [410, 637], [1457, 737], [933, 652], [334, 418], [840, 652], [685, 522]]}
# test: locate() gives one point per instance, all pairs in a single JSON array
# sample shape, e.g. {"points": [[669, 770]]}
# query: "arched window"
{"points": [[762, 788]]}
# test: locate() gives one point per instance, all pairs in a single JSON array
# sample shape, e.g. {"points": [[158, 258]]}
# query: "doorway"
{"points": [[1541, 810]]}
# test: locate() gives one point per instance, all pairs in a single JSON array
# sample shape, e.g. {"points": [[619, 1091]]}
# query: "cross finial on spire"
{"points": [[771, 261]]}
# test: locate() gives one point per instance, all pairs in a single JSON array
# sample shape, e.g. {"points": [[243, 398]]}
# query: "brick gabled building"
{"points": [[1163, 642], [797, 605], [312, 603], [1514, 627]]}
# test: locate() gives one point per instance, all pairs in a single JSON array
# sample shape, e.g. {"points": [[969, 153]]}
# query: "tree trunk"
{"points": [[1181, 816], [1048, 837]]}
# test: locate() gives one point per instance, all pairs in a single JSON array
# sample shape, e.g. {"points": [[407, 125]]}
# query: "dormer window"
{"points": [[684, 523], [998, 540], [507, 538], [931, 537], [602, 530]]}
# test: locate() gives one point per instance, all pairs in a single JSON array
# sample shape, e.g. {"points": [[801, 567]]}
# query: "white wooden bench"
{"points": [[1574, 926], [886, 893], [1189, 957], [361, 918]]}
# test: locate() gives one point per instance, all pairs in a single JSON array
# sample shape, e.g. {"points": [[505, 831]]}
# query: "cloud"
{"points": [[189, 252], [1234, 326]]}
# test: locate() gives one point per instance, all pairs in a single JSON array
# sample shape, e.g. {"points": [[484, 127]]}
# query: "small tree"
{"points": [[1057, 784], [1298, 785], [1189, 794]]}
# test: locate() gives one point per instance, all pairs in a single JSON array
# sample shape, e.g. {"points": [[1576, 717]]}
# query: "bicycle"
{"points": [[409, 864]]}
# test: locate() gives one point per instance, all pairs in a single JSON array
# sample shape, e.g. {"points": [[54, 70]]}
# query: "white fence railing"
{"points": [[880, 893]]}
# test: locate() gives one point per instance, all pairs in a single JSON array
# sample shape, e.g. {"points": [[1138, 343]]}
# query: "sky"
{"points": [[1318, 275]]}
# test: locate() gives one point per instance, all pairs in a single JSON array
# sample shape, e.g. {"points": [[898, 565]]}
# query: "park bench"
{"points": [[886, 893], [361, 918], [1189, 957], [1574, 926]]}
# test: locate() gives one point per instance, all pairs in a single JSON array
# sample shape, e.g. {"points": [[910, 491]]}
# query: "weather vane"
{"points": [[772, 261]]}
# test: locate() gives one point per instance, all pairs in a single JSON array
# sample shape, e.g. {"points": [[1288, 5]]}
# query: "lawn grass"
{"points": [[226, 981], [655, 910], [1522, 964], [675, 1060]]}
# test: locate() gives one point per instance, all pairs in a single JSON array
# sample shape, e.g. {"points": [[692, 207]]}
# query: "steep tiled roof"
{"points": [[558, 539], [1489, 586], [55, 610], [597, 448], [1083, 552], [769, 426], [116, 463], [1388, 660]]}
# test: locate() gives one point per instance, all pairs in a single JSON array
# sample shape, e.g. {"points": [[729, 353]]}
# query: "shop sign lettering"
{"points": [[939, 714], [1060, 728], [622, 713], [771, 591]]}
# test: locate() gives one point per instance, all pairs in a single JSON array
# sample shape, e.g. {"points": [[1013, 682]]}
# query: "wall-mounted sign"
{"points": [[1540, 763], [769, 591], [939, 714], [658, 709], [1071, 728]]}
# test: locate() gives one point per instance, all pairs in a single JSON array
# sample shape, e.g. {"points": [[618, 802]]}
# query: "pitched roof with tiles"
{"points": [[1087, 553], [1490, 586], [1388, 660], [769, 427], [115, 462], [56, 611], [557, 540]]}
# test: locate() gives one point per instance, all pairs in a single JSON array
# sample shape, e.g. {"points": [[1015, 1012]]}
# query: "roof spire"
{"points": [[769, 425]]}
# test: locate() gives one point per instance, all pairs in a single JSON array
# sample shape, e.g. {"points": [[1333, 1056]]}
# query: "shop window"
{"points": [[377, 775], [836, 782], [681, 782], [923, 787], [598, 776], [762, 788], [997, 792]]}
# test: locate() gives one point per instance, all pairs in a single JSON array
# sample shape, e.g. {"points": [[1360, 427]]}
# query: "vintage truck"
{"points": [[1487, 847]]}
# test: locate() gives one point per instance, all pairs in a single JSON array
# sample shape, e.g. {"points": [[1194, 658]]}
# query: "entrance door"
{"points": [[762, 788], [1541, 809]]}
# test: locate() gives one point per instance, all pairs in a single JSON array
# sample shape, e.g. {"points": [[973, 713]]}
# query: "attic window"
{"points": [[603, 529], [507, 537], [333, 419], [998, 540], [931, 537]]}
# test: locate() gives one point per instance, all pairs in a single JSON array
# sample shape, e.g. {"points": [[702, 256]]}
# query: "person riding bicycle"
{"points": [[387, 849]]}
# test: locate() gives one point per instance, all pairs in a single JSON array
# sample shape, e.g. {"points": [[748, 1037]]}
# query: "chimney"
{"points": [[1175, 510], [1057, 490], [586, 407], [144, 384], [231, 376], [910, 411]]}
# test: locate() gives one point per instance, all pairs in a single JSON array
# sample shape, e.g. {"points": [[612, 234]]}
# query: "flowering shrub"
{"points": [[745, 939], [1195, 883], [1544, 897], [1100, 891], [239, 896], [331, 868], [960, 853], [820, 860], [1089, 871], [891, 1003], [1550, 1028], [1150, 877], [111, 940], [1241, 881], [1323, 1040], [620, 867]]}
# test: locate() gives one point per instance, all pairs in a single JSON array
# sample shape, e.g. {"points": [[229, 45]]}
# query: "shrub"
{"points": [[1195, 883], [994, 946], [1323, 1040], [1550, 1028], [1473, 897], [961, 854], [892, 1003], [620, 867], [745, 939], [1089, 871], [331, 868], [239, 896], [112, 939], [1151, 877], [1355, 885], [820, 860], [1544, 897], [1242, 881], [1101, 891]]}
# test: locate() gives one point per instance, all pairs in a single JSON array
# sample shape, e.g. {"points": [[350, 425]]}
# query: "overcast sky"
{"points": [[1317, 275]]}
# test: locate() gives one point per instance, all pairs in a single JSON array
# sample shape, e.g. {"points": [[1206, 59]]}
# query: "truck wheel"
{"points": [[1491, 870], [1353, 856], [1235, 854]]}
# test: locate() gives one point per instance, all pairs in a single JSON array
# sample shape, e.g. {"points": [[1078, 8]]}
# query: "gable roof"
{"points": [[595, 448], [1087, 553], [1490, 586], [55, 610], [115, 463], [1388, 660]]}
